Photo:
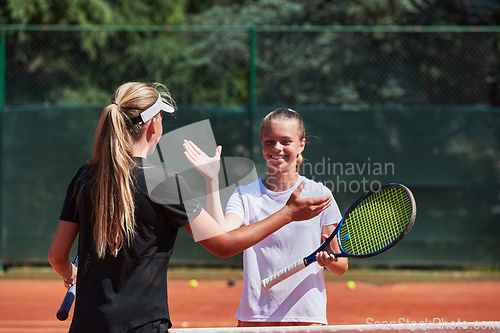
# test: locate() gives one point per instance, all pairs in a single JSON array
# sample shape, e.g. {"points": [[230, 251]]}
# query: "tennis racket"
{"points": [[373, 224], [68, 300]]}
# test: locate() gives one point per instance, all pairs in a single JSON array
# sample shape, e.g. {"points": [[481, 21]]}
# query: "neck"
{"points": [[280, 182], [140, 150], [144, 145]]}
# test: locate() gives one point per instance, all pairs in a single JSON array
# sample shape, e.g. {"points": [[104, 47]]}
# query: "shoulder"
{"points": [[84, 174], [152, 174], [253, 188]]}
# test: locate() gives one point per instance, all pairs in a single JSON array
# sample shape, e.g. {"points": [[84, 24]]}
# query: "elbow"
{"points": [[223, 246], [56, 258], [344, 269], [224, 255], [224, 252], [341, 272], [220, 249]]}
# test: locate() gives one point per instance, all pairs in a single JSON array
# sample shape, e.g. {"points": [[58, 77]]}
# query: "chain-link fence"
{"points": [[415, 105]]}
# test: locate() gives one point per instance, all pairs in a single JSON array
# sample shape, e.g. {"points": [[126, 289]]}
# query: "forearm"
{"points": [[210, 235], [60, 248], [214, 206], [339, 267], [235, 241], [63, 267]]}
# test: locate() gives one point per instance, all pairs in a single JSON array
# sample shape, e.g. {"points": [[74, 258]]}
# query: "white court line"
{"points": [[484, 326]]}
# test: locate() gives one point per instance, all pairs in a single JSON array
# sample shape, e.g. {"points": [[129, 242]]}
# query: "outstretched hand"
{"points": [[208, 167], [306, 208]]}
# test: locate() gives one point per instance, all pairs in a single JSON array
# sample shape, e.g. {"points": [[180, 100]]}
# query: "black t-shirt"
{"points": [[116, 294]]}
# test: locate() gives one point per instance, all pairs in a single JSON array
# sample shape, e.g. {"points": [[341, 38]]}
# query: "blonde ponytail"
{"points": [[300, 160], [113, 189]]}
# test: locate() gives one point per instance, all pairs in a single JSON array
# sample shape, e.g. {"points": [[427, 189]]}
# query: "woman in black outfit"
{"points": [[127, 212]]}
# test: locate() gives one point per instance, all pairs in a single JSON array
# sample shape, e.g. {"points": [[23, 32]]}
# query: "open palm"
{"points": [[208, 167]]}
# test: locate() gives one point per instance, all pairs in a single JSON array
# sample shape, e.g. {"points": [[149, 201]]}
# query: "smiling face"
{"points": [[281, 145]]}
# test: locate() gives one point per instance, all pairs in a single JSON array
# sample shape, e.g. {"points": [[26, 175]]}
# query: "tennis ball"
{"points": [[351, 285], [193, 283]]}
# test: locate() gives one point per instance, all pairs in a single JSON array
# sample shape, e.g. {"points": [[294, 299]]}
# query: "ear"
{"points": [[302, 145], [152, 126]]}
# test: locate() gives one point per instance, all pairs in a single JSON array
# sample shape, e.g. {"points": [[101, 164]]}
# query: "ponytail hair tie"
{"points": [[119, 108]]}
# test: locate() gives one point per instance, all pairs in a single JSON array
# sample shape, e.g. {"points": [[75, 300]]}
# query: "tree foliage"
{"points": [[212, 68]]}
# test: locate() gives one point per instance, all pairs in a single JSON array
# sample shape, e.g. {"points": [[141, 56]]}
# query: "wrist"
{"points": [[212, 184], [287, 214], [212, 181]]}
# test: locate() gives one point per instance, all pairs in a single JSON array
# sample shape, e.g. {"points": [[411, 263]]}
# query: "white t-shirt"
{"points": [[302, 297]]}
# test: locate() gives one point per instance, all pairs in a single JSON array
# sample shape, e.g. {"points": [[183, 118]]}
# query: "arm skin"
{"points": [[226, 244], [59, 251], [227, 236], [204, 228], [209, 168], [221, 243]]}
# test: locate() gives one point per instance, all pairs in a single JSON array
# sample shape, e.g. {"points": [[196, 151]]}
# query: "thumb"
{"points": [[299, 188], [218, 151]]}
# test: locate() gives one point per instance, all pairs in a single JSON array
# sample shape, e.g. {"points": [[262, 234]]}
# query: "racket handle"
{"points": [[283, 274], [63, 312], [68, 300]]}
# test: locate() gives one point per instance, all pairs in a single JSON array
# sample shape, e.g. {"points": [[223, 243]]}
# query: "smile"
{"points": [[278, 157]]}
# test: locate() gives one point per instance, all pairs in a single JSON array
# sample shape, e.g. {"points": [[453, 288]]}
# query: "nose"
{"points": [[278, 145]]}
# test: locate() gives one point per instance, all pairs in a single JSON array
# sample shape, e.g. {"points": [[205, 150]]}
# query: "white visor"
{"points": [[153, 110]]}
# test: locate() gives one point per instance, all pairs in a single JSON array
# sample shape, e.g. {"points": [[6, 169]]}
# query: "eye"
{"points": [[268, 142], [286, 142]]}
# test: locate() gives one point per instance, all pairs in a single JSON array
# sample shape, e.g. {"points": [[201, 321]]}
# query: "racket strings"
{"points": [[377, 222]]}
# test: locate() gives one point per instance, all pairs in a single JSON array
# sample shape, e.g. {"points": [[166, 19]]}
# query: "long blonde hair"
{"points": [[113, 186], [288, 114]]}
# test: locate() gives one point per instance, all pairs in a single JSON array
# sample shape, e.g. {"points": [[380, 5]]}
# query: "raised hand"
{"points": [[208, 167]]}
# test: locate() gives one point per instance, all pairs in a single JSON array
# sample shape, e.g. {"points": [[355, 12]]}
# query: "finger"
{"points": [[299, 188], [190, 155], [190, 158], [192, 149], [321, 206], [326, 204], [218, 151], [322, 259], [319, 259], [188, 147], [195, 147], [319, 201]]}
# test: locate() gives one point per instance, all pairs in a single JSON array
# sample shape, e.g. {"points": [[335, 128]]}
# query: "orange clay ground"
{"points": [[29, 305]]}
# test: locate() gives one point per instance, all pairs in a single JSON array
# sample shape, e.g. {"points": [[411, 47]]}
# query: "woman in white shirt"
{"points": [[300, 299]]}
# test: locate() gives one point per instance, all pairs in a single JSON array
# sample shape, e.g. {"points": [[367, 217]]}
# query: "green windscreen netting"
{"points": [[379, 106]]}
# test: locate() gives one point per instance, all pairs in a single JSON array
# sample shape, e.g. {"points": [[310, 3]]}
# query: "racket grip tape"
{"points": [[283, 274], [63, 312]]}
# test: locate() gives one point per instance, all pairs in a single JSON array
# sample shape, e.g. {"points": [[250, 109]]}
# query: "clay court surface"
{"points": [[29, 305]]}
